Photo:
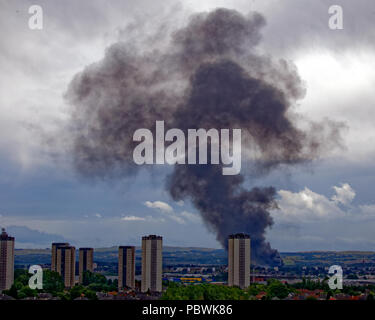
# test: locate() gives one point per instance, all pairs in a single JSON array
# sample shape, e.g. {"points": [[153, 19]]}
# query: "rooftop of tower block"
{"points": [[239, 236]]}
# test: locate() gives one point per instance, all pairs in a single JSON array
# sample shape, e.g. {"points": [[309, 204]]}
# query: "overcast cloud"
{"points": [[326, 205]]}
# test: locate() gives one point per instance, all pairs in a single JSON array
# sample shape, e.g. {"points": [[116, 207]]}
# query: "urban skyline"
{"points": [[157, 281], [63, 261]]}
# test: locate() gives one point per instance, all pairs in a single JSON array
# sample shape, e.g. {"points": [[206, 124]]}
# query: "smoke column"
{"points": [[208, 75]]}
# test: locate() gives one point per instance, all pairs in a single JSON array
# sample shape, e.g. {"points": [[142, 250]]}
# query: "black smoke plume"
{"points": [[209, 75]]}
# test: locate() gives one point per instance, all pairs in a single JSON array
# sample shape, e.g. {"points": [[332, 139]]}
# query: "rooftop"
{"points": [[239, 236], [4, 236]]}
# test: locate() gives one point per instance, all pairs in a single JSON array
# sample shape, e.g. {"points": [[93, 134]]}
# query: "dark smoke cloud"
{"points": [[208, 76]]}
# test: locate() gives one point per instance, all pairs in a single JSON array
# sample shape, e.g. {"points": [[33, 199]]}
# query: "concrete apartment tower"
{"points": [[239, 260], [86, 261], [66, 264], [126, 267], [56, 245], [152, 247], [6, 261]]}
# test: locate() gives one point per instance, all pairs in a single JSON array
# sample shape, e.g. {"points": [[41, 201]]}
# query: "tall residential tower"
{"points": [[239, 260], [66, 264], [6, 261], [152, 247], [126, 267], [86, 261], [56, 245]]}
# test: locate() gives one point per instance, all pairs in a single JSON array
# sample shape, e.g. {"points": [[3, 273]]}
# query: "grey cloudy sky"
{"points": [[328, 204]]}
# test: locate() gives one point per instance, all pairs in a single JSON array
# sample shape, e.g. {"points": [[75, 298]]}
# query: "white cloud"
{"points": [[367, 210], [311, 221], [180, 203], [98, 215], [305, 205], [133, 218], [169, 212], [177, 219], [162, 206], [146, 218], [344, 194], [192, 217], [309, 206]]}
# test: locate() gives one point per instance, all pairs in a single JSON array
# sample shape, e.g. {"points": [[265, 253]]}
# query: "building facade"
{"points": [[152, 247], [86, 261], [126, 267], [239, 260], [6, 261], [66, 264], [56, 245]]}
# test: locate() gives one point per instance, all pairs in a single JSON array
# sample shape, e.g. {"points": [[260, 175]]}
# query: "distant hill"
{"points": [[206, 256], [328, 258], [171, 255]]}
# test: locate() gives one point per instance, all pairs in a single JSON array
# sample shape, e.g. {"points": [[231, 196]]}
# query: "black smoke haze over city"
{"points": [[208, 74]]}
